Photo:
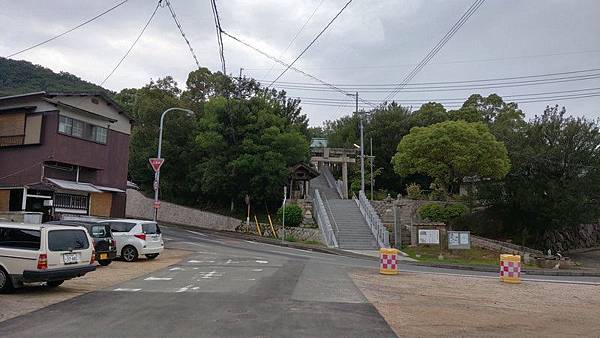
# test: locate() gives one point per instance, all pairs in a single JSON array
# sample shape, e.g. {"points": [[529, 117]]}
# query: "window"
{"points": [[78, 127], [87, 131], [20, 238], [67, 240], [65, 125], [71, 201], [100, 231], [150, 228], [100, 134], [121, 226]]}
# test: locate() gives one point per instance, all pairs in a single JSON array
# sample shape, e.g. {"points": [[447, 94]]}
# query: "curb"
{"points": [[339, 252]]}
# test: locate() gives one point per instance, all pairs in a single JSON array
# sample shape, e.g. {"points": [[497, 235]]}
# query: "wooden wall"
{"points": [[100, 204]]}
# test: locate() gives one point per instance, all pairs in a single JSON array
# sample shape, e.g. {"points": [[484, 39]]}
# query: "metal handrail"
{"points": [[323, 221], [370, 215], [331, 181], [337, 230]]}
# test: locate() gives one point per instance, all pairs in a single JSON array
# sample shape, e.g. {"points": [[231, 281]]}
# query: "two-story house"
{"points": [[63, 153]]}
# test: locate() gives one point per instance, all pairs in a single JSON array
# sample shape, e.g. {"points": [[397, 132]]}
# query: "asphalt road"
{"points": [[229, 287]]}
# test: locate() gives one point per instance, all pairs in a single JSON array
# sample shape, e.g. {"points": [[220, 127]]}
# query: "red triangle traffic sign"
{"points": [[156, 163]]}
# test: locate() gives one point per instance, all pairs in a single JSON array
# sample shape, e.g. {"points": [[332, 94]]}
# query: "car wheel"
{"points": [[105, 262], [151, 256], [129, 253], [55, 283], [5, 281]]}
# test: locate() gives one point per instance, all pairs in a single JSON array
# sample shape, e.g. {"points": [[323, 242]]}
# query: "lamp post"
{"points": [[362, 145], [157, 173]]}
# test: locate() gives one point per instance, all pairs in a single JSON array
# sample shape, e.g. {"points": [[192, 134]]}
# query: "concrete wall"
{"points": [[140, 206]]}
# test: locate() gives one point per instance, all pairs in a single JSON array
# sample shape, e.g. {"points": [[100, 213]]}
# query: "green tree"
{"points": [[554, 177], [450, 151]]}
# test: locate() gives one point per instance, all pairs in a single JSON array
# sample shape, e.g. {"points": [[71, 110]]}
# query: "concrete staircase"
{"points": [[351, 230], [354, 232]]}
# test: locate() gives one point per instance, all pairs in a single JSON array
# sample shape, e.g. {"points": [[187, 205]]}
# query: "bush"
{"points": [[293, 215], [437, 193], [414, 191], [439, 213]]}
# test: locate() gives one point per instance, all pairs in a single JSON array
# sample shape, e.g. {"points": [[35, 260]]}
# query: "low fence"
{"points": [[323, 221], [370, 215]]}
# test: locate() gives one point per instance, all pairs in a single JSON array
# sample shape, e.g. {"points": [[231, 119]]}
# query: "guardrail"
{"points": [[323, 221], [331, 181], [370, 215]]}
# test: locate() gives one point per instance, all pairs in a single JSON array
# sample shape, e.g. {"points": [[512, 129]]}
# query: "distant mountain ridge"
{"points": [[19, 77]]}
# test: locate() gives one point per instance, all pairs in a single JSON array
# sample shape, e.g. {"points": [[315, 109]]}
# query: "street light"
{"points": [[362, 148], [157, 173]]}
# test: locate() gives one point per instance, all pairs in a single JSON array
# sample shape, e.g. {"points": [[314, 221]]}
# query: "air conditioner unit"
{"points": [[48, 203]]}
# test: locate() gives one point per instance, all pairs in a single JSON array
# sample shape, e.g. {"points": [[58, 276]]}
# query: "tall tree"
{"points": [[450, 151]]}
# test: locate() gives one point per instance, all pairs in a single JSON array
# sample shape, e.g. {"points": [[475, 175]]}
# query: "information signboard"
{"points": [[429, 236], [459, 240]]}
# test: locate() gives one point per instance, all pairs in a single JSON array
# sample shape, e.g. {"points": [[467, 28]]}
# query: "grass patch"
{"points": [[473, 256]]}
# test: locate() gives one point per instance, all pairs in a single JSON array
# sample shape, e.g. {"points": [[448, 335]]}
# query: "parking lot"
{"points": [[31, 298]]}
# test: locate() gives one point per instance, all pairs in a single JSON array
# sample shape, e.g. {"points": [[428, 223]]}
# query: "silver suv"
{"points": [[136, 237]]}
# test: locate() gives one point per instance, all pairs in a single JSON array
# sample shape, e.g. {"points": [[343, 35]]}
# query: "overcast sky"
{"points": [[372, 42]]}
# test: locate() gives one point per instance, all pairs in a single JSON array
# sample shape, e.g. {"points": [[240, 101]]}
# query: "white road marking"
{"points": [[251, 278], [197, 233], [176, 269], [229, 261], [257, 270], [158, 278], [127, 290], [250, 242], [262, 262], [195, 288], [209, 275], [185, 288]]}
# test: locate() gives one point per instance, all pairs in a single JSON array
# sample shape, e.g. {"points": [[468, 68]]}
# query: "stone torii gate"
{"points": [[344, 156]]}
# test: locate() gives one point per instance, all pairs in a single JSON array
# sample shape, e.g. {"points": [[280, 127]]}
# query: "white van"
{"points": [[43, 253]]}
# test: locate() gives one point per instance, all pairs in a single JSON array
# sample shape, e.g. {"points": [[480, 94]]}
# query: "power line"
{"points": [[349, 104], [133, 44], [329, 85], [462, 99], [456, 87], [217, 19], [295, 37], [474, 7], [445, 62], [450, 82], [181, 30], [311, 43], [69, 30]]}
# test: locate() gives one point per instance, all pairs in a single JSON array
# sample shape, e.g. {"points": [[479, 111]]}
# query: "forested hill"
{"points": [[18, 77]]}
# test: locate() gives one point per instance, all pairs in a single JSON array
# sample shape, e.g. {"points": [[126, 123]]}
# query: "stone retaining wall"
{"points": [[299, 233], [140, 206], [580, 237]]}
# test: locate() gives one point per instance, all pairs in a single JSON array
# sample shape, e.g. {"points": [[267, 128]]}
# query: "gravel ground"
{"points": [[416, 304], [31, 298]]}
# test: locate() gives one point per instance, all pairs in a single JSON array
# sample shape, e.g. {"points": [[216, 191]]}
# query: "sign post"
{"points": [[156, 163], [283, 214]]}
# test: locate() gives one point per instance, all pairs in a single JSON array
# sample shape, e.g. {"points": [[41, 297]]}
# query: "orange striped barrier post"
{"points": [[388, 261], [510, 269]]}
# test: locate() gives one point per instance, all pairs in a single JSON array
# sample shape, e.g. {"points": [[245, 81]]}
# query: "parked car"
{"points": [[104, 243], [43, 253], [135, 238]]}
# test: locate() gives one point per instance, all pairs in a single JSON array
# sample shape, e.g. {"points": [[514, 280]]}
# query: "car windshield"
{"points": [[100, 231], [151, 228], [67, 240]]}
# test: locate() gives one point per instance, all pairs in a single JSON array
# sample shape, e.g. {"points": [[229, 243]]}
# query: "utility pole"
{"points": [[372, 158], [362, 149]]}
